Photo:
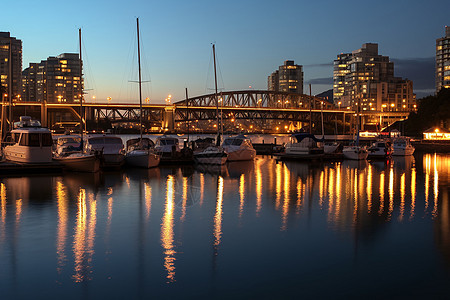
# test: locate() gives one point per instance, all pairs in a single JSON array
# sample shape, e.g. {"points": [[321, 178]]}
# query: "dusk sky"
{"points": [[252, 39]]}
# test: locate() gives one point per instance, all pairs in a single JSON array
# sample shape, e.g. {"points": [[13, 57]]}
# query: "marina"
{"points": [[251, 229]]}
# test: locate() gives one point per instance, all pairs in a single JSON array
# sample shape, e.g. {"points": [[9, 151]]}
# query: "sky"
{"points": [[252, 39]]}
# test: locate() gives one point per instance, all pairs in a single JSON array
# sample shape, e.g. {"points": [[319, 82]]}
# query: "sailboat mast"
{"points": [[140, 82], [82, 92], [215, 95]]}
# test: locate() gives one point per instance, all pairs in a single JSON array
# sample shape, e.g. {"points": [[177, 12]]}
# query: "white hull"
{"points": [[211, 156], [355, 152], [331, 148], [80, 162], [242, 154], [142, 159], [25, 154], [403, 151]]}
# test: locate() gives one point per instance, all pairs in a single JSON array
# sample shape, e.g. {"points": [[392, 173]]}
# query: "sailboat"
{"points": [[356, 152], [214, 155], [73, 157], [141, 154]]}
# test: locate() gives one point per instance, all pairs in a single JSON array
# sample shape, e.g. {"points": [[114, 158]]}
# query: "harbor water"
{"points": [[249, 230]]}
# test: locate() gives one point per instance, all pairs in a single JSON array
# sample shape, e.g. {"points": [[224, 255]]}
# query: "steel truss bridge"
{"points": [[255, 107]]}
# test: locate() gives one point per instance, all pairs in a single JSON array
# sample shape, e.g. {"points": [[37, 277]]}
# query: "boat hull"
{"points": [[80, 163], [403, 151], [32, 155], [142, 159], [355, 153], [242, 155]]}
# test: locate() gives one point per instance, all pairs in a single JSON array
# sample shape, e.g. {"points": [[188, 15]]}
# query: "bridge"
{"points": [[252, 110]]}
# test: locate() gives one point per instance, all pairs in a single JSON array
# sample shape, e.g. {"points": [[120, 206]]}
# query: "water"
{"points": [[248, 230]]}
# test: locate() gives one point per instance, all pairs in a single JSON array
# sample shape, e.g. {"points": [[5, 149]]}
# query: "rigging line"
{"points": [[89, 77], [208, 73], [125, 66], [145, 71], [220, 74]]}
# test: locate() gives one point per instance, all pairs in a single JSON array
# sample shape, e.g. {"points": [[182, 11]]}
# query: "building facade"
{"points": [[55, 80], [443, 61], [364, 79], [10, 65], [288, 78]]}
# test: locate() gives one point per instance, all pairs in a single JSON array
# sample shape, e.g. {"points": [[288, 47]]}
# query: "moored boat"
{"points": [[402, 147], [110, 149], [303, 146], [380, 149], [355, 152], [213, 155], [140, 153], [239, 148], [69, 153], [31, 143]]}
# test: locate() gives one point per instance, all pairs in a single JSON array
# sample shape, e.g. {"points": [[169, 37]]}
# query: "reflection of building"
{"points": [[367, 78], [10, 63], [54, 80], [443, 61], [288, 78]]}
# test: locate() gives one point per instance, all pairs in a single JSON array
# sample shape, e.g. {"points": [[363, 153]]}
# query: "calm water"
{"points": [[250, 230]]}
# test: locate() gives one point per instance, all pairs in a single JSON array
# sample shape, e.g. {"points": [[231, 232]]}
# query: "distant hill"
{"points": [[327, 95]]}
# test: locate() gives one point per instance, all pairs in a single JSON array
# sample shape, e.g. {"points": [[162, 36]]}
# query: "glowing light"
{"points": [[218, 215]]}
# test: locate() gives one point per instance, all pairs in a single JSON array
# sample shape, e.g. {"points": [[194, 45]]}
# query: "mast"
{"points": [[187, 115], [310, 114], [215, 96], [140, 87], [10, 82], [82, 92]]}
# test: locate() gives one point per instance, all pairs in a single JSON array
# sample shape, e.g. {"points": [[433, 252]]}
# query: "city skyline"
{"points": [[253, 39]]}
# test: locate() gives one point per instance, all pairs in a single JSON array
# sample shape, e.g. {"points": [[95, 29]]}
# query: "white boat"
{"points": [[402, 147], [239, 148], [380, 149], [167, 145], [69, 153], [303, 146], [140, 153], [110, 149], [31, 143], [212, 155], [355, 152], [332, 148]]}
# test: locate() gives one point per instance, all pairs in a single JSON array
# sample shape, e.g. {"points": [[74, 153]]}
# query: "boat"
{"points": [[332, 148], [355, 152], [31, 143], [402, 147], [213, 154], [167, 146], [110, 148], [239, 148], [69, 153], [380, 149], [139, 151], [303, 146]]}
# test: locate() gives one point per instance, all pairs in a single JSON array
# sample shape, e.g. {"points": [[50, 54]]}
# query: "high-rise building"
{"points": [[10, 65], [55, 80], [443, 61], [288, 78], [366, 79]]}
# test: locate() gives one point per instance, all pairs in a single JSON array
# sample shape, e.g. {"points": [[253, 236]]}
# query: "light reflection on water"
{"points": [[83, 228]]}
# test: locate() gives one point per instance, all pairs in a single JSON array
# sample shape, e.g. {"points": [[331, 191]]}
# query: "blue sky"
{"points": [[252, 39]]}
